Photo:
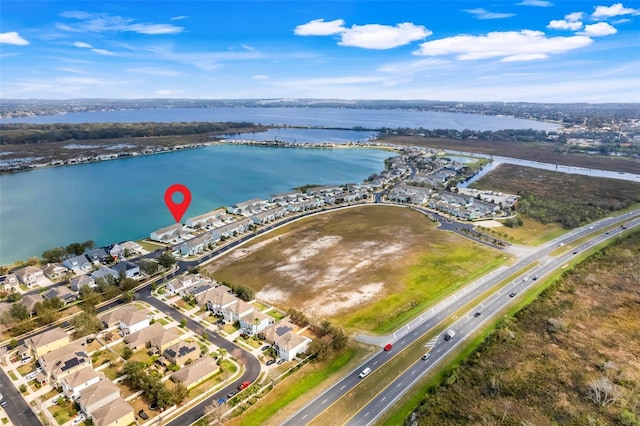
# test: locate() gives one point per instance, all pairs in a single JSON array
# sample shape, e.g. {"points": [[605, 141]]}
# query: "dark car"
{"points": [[512, 294], [143, 415], [477, 314], [231, 394], [281, 361], [575, 252], [535, 278], [264, 348], [271, 362]]}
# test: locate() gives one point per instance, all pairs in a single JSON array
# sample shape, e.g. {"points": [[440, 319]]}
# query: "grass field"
{"points": [[367, 268], [531, 233]]}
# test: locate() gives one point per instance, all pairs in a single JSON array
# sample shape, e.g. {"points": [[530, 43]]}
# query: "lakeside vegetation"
{"points": [[554, 197], [570, 357]]}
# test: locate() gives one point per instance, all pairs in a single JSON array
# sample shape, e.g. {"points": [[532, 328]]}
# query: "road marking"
{"points": [[382, 400], [375, 362], [413, 372], [366, 414], [305, 416], [343, 386], [325, 400]]}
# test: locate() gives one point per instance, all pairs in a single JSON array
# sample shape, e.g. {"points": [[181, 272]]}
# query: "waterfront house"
{"points": [[196, 245], [167, 234], [32, 276], [206, 219], [78, 264], [47, 341], [132, 247], [115, 250], [53, 271], [97, 256], [83, 280], [9, 281]]}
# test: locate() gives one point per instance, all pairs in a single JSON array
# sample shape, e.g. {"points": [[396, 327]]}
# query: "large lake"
{"points": [[326, 117], [118, 200]]}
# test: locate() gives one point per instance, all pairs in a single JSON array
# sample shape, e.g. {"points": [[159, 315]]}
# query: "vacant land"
{"points": [[545, 366], [369, 268], [569, 199], [544, 152], [531, 232]]}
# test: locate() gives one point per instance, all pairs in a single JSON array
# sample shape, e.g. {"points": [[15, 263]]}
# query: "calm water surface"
{"points": [[122, 199]]}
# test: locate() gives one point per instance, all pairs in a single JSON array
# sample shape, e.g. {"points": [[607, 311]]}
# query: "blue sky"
{"points": [[527, 50]]}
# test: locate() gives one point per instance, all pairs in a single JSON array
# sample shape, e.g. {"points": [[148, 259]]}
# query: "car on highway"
{"points": [[244, 385], [512, 294], [364, 372], [477, 314], [387, 347], [575, 252], [231, 394], [449, 335], [535, 278], [426, 356]]}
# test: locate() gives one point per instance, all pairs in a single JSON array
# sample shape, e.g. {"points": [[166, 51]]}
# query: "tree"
{"points": [[19, 312], [54, 255], [75, 249], [166, 259], [180, 393], [149, 267], [86, 323], [245, 293], [135, 371], [14, 296], [90, 299], [127, 353]]}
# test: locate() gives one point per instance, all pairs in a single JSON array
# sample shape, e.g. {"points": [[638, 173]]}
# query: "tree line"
{"points": [[21, 133]]}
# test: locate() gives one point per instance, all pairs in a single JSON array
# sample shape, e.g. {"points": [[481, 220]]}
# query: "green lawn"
{"points": [[13, 375], [276, 314]]}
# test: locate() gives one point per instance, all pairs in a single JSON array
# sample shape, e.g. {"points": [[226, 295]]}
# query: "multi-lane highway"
{"points": [[468, 323]]}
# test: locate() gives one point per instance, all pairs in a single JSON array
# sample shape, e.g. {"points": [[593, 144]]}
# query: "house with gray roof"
{"points": [[166, 234], [83, 280], [63, 293], [129, 269], [78, 263], [105, 272]]}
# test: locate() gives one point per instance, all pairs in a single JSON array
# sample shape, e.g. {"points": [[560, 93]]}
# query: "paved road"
{"points": [[17, 409], [465, 325]]}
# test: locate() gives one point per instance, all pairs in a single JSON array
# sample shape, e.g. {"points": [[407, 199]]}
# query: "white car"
{"points": [[81, 418], [364, 372]]}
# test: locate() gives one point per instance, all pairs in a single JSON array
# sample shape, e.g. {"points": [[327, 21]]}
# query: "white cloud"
{"points": [[155, 71], [509, 46], [82, 45], [103, 52], [318, 27], [12, 37], [562, 24], [621, 21], [485, 14], [380, 37], [369, 36], [260, 77], [574, 16], [101, 22], [247, 47], [178, 18], [603, 12], [598, 30], [537, 3]]}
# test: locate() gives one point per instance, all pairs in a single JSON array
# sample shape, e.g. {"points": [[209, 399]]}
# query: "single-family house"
{"points": [[8, 281], [123, 317], [117, 413], [236, 311], [32, 276], [63, 293], [97, 395], [97, 256], [78, 264], [48, 341], [182, 352], [54, 271], [62, 362], [164, 339], [29, 301], [105, 273], [254, 322], [290, 345], [83, 280], [132, 247], [166, 234], [81, 379], [196, 372], [140, 339], [115, 250], [129, 269], [219, 301], [181, 284]]}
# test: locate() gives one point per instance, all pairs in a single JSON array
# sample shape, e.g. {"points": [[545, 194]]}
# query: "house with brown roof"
{"points": [[162, 341], [254, 322], [97, 395], [83, 280], [237, 310], [182, 352], [29, 302], [53, 271], [63, 293], [128, 318], [64, 361], [48, 341], [79, 380], [116, 413], [285, 340], [195, 373], [138, 340]]}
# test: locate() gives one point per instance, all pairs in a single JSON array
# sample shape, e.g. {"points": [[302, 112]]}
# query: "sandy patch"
{"points": [[490, 224]]}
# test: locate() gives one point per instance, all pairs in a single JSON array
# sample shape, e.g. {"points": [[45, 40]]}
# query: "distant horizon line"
{"points": [[286, 99]]}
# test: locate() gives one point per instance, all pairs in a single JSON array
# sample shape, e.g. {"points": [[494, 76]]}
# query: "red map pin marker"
{"points": [[177, 209]]}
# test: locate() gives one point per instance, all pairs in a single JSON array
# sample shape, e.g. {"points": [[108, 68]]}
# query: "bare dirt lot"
{"points": [[363, 265]]}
